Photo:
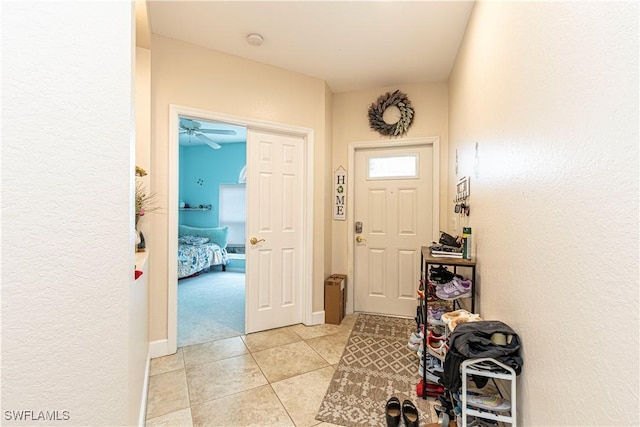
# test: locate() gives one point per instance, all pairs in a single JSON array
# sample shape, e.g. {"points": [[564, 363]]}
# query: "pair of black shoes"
{"points": [[408, 411]]}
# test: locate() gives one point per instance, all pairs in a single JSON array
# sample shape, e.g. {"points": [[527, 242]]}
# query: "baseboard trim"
{"points": [[145, 391], [317, 318], [159, 348]]}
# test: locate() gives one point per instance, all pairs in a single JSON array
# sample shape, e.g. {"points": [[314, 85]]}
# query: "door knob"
{"points": [[360, 239], [255, 241]]}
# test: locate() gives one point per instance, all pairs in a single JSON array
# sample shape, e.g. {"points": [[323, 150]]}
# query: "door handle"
{"points": [[255, 241], [360, 239]]}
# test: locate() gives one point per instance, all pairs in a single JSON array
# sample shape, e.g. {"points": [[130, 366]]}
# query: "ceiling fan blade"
{"points": [[219, 131], [208, 141], [188, 124]]}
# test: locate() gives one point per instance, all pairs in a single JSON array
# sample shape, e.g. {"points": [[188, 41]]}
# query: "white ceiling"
{"points": [[351, 45]]}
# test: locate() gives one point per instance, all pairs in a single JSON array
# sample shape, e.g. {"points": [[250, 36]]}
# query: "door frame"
{"points": [[175, 111], [431, 141]]}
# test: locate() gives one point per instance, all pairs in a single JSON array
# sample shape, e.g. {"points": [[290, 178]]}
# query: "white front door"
{"points": [[274, 247], [393, 200]]}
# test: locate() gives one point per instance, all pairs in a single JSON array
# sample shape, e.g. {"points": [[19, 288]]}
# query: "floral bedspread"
{"points": [[195, 258]]}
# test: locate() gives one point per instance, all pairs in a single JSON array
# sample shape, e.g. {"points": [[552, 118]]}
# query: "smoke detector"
{"points": [[255, 39]]}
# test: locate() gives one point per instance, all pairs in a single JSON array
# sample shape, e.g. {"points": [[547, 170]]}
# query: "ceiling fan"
{"points": [[193, 129]]}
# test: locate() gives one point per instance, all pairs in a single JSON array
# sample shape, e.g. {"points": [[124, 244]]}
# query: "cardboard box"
{"points": [[335, 298]]}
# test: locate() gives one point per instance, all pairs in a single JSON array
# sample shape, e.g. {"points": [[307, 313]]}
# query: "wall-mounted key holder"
{"points": [[462, 209]]}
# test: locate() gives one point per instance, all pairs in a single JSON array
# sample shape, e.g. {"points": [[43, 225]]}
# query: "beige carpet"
{"points": [[376, 364]]}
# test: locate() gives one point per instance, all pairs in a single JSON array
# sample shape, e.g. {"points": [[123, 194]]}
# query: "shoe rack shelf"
{"points": [[427, 260], [490, 368]]}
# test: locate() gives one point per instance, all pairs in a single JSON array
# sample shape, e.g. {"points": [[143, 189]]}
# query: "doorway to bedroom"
{"points": [[211, 231]]}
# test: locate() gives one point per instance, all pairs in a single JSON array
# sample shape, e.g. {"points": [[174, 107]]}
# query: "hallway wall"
{"points": [[549, 92], [67, 212]]}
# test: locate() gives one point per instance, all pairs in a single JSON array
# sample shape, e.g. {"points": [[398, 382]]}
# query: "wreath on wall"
{"points": [[376, 110]]}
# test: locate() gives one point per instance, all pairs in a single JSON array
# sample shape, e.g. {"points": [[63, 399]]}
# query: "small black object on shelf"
{"points": [[141, 246]]}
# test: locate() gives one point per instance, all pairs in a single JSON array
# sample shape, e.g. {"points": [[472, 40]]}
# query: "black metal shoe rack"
{"points": [[427, 260]]}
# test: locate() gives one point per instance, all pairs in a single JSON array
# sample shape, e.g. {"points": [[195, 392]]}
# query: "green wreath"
{"points": [[385, 101]]}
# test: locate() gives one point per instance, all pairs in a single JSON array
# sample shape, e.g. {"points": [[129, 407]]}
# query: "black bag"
{"points": [[472, 340]]}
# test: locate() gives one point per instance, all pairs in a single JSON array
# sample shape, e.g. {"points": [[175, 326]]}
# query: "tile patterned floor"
{"points": [[271, 378]]}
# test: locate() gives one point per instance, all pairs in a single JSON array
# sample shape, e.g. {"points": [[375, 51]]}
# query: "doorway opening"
{"points": [[256, 289], [211, 230]]}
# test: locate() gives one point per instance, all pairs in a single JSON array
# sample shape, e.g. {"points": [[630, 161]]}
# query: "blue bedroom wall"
{"points": [[202, 170]]}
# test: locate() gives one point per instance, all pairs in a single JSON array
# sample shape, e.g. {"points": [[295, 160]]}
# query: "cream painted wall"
{"points": [[549, 91], [328, 185], [351, 124], [139, 290], [191, 76], [143, 124], [67, 210]]}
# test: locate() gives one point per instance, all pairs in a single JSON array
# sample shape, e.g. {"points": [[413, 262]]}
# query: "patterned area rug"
{"points": [[376, 364]]}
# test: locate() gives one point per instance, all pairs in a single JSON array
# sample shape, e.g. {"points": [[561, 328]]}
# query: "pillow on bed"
{"points": [[217, 235], [193, 240]]}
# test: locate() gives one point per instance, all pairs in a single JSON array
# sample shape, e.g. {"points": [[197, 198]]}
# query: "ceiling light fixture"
{"points": [[255, 39]]}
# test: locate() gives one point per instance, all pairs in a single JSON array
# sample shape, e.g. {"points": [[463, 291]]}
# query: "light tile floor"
{"points": [[271, 378]]}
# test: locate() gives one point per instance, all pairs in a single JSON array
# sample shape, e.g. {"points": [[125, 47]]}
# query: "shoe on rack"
{"points": [[410, 414], [449, 240], [435, 311], [491, 403], [432, 336], [435, 271], [456, 288], [416, 337], [478, 422], [437, 346], [457, 278], [431, 376], [442, 277], [434, 364], [454, 318], [392, 412], [434, 314]]}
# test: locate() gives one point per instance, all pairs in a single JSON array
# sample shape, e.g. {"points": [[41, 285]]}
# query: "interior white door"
{"points": [[393, 201], [274, 247]]}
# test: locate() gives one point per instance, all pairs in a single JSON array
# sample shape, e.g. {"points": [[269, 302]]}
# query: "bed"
{"points": [[201, 248]]}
